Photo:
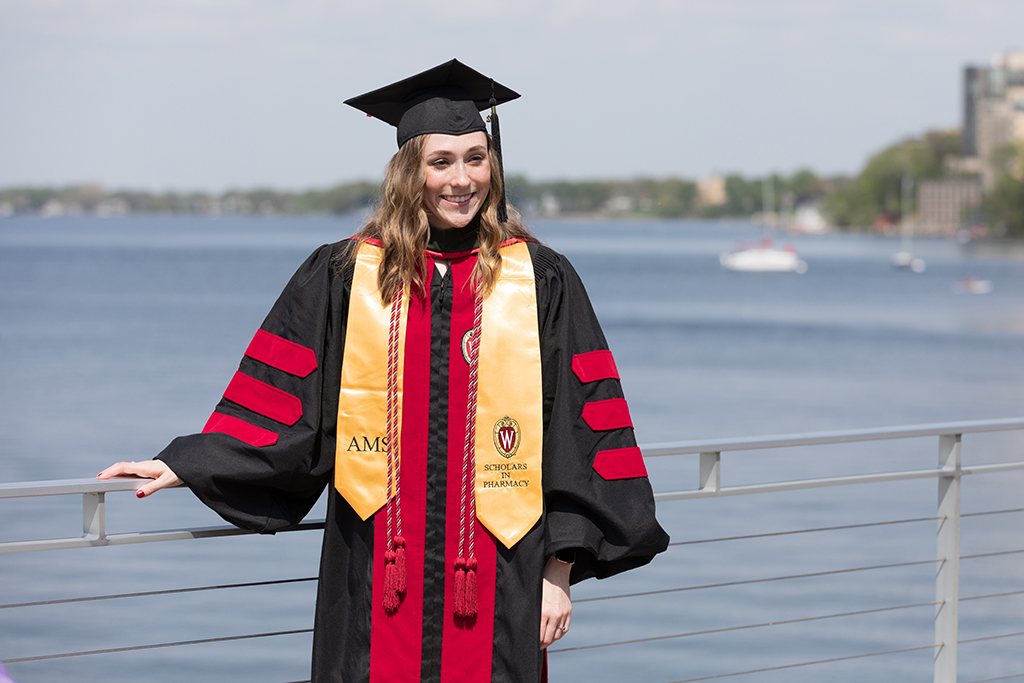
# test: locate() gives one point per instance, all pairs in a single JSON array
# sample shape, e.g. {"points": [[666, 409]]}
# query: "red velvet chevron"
{"points": [[620, 463], [610, 414], [595, 365], [280, 353], [262, 398], [240, 429]]}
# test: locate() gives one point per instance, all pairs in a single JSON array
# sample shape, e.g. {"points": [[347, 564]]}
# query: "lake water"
{"points": [[118, 334]]}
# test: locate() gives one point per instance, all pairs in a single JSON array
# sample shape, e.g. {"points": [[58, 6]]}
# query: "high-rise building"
{"points": [[974, 89], [993, 111]]}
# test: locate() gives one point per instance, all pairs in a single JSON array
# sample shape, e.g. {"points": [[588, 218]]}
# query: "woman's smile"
{"points": [[458, 200]]}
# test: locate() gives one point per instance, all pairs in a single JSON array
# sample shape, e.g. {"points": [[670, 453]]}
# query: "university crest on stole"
{"points": [[507, 436], [466, 340]]}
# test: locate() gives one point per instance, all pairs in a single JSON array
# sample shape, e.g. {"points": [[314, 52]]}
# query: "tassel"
{"points": [[465, 587], [496, 137], [400, 565], [460, 587], [471, 594], [390, 582]]}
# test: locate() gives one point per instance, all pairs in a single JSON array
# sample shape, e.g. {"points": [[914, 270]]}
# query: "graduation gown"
{"points": [[269, 450]]}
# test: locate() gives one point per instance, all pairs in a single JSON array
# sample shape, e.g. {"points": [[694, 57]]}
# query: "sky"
{"points": [[218, 94]]}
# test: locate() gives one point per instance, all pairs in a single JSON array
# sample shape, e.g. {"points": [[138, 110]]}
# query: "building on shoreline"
{"points": [[945, 205]]}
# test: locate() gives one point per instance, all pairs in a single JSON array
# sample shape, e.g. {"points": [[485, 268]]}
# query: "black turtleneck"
{"points": [[453, 240]]}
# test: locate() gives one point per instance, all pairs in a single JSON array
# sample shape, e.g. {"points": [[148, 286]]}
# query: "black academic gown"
{"points": [[597, 498]]}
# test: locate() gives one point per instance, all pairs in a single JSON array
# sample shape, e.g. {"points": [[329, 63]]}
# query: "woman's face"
{"points": [[458, 178]]}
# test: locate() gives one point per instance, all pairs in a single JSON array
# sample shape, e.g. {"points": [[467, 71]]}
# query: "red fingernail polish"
{"points": [[140, 494]]}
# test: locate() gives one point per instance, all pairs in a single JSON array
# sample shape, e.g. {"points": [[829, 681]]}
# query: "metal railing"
{"points": [[948, 473]]}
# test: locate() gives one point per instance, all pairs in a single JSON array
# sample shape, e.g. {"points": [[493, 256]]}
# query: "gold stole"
{"points": [[509, 418]]}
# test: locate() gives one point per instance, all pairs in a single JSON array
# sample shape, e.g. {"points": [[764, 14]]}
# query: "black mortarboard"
{"points": [[446, 99]]}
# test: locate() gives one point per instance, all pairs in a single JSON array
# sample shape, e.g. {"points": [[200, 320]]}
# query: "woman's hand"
{"points": [[157, 470], [555, 607]]}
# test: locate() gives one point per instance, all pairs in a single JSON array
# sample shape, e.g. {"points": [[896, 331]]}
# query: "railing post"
{"points": [[947, 579], [94, 525], [711, 471]]}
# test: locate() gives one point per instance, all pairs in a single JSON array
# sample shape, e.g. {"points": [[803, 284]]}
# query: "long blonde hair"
{"points": [[400, 223]]}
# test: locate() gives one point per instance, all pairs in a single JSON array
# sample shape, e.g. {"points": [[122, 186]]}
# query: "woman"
{"points": [[446, 373]]}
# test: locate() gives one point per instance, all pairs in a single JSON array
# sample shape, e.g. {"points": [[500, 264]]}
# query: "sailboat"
{"points": [[904, 258], [763, 256]]}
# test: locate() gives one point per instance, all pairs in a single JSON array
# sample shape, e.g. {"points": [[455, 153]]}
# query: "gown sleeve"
{"points": [[266, 454], [598, 500]]}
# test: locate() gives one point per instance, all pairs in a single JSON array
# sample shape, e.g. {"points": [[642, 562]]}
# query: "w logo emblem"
{"points": [[506, 436]]}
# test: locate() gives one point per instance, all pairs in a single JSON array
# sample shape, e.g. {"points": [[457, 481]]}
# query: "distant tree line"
{"points": [[667, 197], [865, 201], [94, 199]]}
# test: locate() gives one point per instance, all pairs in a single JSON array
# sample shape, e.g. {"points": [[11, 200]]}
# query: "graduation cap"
{"points": [[446, 99]]}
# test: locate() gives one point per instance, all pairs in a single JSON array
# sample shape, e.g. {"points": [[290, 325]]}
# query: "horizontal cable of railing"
{"points": [[154, 646], [796, 665], [984, 639], [147, 594], [843, 527], [1008, 594], [990, 512], [978, 556], [792, 532], [997, 678], [787, 577], [744, 627], [768, 579]]}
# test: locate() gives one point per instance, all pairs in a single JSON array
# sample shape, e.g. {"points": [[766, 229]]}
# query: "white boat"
{"points": [[904, 258], [907, 260], [972, 285], [763, 257]]}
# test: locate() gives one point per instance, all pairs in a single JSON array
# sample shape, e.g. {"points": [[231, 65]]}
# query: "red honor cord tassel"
{"points": [[465, 587], [390, 582], [470, 599], [400, 565], [460, 587]]}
